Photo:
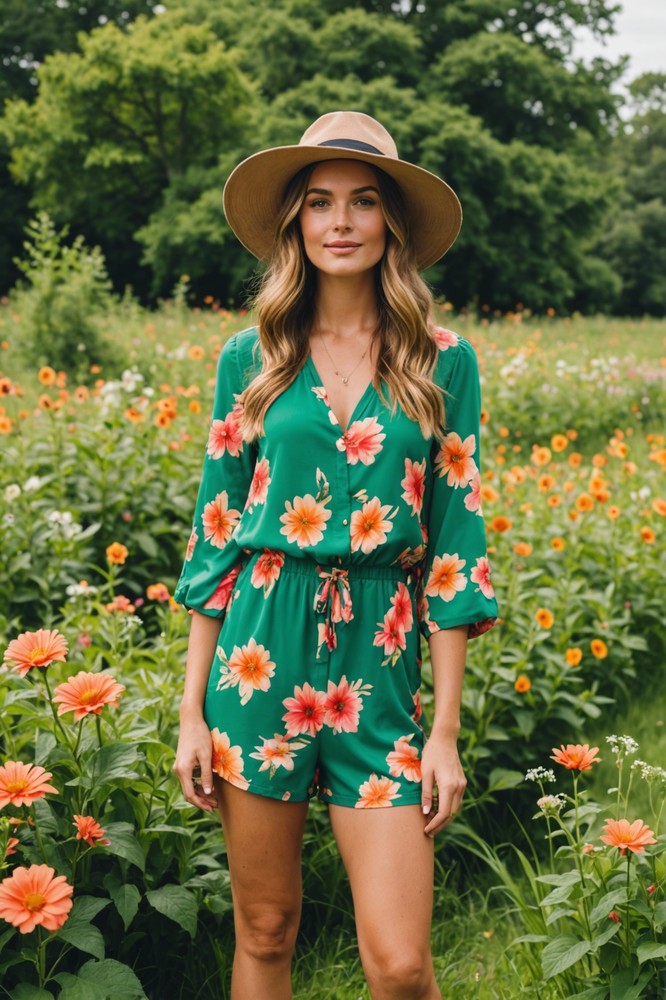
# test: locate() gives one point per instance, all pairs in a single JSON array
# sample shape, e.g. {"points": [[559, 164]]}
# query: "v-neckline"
{"points": [[357, 406]]}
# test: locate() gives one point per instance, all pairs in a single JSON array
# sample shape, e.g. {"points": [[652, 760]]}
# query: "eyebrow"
{"points": [[368, 187]]}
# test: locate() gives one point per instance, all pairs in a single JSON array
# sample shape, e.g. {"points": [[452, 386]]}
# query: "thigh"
{"points": [[390, 863]]}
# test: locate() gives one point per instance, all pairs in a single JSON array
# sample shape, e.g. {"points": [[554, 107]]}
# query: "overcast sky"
{"points": [[641, 34]]}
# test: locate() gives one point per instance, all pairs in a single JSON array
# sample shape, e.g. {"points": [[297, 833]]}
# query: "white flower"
{"points": [[552, 805], [12, 492], [540, 774], [622, 746], [32, 483]]}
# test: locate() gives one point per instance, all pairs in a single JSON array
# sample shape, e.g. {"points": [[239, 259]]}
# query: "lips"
{"points": [[342, 245]]}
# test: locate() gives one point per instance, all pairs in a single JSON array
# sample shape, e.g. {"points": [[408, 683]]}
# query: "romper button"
{"points": [[345, 521]]}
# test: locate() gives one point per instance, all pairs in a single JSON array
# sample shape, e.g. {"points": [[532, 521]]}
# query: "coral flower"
{"points": [[573, 656], [370, 526], [544, 618], [445, 580], [575, 757], [445, 338], [221, 596], [647, 534], [599, 649], [22, 784], [522, 684], [391, 634], [659, 506], [306, 711], [305, 520], [36, 649], [227, 761], [225, 435], [628, 836], [402, 604], [34, 896], [120, 604], [12, 843], [158, 592], [87, 694], [481, 574], [191, 544], [558, 544], [251, 668], [377, 792], [500, 523], [261, 480], [522, 549], [473, 498], [278, 752], [414, 484], [455, 459], [88, 829], [559, 442], [219, 520], [541, 456], [116, 553], [404, 759], [362, 441], [266, 570], [584, 503], [343, 704], [47, 375]]}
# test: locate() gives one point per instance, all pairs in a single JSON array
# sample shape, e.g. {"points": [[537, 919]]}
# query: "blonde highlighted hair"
{"points": [[285, 306]]}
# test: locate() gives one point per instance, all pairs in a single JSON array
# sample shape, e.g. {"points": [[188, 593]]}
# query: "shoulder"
{"points": [[456, 361], [241, 355]]}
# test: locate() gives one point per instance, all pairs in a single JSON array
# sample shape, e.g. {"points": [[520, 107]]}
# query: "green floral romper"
{"points": [[327, 553]]}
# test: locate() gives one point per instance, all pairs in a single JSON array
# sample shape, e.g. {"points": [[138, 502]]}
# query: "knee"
{"points": [[267, 933], [401, 975]]}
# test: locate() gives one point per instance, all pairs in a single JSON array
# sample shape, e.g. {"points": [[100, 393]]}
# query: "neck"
{"points": [[345, 306]]}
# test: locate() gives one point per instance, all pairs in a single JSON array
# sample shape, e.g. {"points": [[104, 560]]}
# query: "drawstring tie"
{"points": [[333, 602]]}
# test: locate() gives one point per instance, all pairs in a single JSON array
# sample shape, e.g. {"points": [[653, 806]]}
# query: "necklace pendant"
{"points": [[345, 380]]}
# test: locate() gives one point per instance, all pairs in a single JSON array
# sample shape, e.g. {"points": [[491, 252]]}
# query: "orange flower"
{"points": [[251, 669], [120, 604], [541, 456], [195, 352], [613, 512], [500, 523], [445, 580], [523, 683], [489, 494], [546, 482], [659, 506], [6, 425], [628, 836], [219, 520], [81, 394], [157, 592], [377, 792], [544, 618], [404, 759], [647, 534], [370, 526], [136, 416], [227, 761], [162, 420], [575, 459], [36, 649], [87, 694], [305, 520], [559, 442], [554, 500], [558, 544], [47, 375], [33, 896], [584, 503], [22, 784], [455, 459], [599, 649], [575, 756], [573, 656], [88, 829], [116, 553], [598, 461], [12, 843], [522, 549]]}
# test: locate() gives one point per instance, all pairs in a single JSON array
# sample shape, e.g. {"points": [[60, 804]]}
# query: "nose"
{"points": [[342, 221]]}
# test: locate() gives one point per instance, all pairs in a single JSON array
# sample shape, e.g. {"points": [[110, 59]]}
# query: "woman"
{"points": [[338, 514]]}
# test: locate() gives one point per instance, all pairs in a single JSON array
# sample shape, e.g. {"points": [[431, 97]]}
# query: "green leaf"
{"points": [[111, 762], [124, 844], [500, 778], [623, 986], [177, 904], [561, 954], [85, 937], [126, 898], [106, 980], [608, 903], [650, 950], [558, 895], [660, 913], [26, 992], [594, 993], [601, 939], [565, 878]]}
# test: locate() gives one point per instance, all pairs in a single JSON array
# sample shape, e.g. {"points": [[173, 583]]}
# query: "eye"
{"points": [[366, 202], [317, 203]]}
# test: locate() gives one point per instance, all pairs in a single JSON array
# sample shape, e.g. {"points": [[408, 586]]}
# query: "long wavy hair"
{"points": [[285, 305]]}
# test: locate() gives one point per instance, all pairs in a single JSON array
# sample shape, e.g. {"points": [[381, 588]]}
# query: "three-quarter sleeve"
{"points": [[213, 559], [456, 583]]}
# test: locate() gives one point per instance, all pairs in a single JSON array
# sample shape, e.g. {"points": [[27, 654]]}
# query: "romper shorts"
{"points": [[315, 684]]}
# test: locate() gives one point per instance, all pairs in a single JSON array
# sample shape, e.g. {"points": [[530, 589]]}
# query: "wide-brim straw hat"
{"points": [[254, 192]]}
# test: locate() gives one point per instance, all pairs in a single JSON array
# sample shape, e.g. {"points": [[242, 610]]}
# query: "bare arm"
{"points": [[441, 763], [194, 742]]}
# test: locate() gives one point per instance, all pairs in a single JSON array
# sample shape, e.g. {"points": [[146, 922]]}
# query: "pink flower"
{"points": [[481, 574], [445, 338], [305, 711], [191, 544], [362, 441], [391, 634], [414, 484], [261, 480], [266, 570], [277, 752], [221, 596], [473, 498], [225, 435], [402, 605], [404, 759], [343, 704]]}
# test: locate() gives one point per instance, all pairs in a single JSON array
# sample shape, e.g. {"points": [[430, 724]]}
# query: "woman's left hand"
{"points": [[441, 769]]}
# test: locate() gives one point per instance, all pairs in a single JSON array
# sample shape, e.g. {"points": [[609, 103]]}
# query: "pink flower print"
{"points": [[445, 338], [219, 520], [404, 759], [225, 435], [325, 636], [481, 574], [320, 393], [418, 708], [261, 480], [377, 792], [305, 711], [445, 580], [455, 459], [402, 606], [221, 596], [191, 544], [266, 570], [414, 484], [473, 498], [369, 526], [362, 441], [343, 703], [391, 634], [277, 752]]}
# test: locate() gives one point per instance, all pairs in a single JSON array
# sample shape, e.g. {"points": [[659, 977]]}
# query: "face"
{"points": [[343, 226]]}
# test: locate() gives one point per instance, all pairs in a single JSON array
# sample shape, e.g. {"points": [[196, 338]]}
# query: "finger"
{"points": [[426, 792]]}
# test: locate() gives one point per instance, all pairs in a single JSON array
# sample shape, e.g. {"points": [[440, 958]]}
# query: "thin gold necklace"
{"points": [[344, 378]]}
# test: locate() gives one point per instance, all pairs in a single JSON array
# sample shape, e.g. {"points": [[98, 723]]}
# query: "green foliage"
{"points": [[63, 305]]}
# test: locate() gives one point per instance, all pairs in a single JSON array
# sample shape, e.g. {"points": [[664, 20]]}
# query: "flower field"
{"points": [[113, 887]]}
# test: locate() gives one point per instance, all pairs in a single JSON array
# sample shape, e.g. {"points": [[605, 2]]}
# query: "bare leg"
{"points": [[390, 863], [263, 838]]}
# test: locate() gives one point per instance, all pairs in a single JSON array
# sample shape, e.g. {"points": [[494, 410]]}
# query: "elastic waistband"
{"points": [[309, 567]]}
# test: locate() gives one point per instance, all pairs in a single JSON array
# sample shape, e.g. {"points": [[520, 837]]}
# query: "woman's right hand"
{"points": [[194, 763]]}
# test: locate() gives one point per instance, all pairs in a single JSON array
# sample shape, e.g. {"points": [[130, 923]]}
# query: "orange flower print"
{"points": [[225, 435], [473, 498], [414, 484], [576, 757], [35, 896], [221, 596], [306, 711], [627, 836], [455, 460], [87, 694], [116, 553], [305, 520], [36, 649], [191, 544], [402, 606], [88, 829], [261, 480], [277, 752], [369, 526], [445, 580], [249, 668], [227, 761], [376, 793], [445, 338], [391, 636], [266, 570], [344, 702], [362, 441], [22, 784], [219, 520], [481, 574], [404, 759]]}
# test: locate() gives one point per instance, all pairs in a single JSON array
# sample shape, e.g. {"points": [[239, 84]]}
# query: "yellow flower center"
{"points": [[37, 654], [86, 697], [15, 787], [34, 901]]}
